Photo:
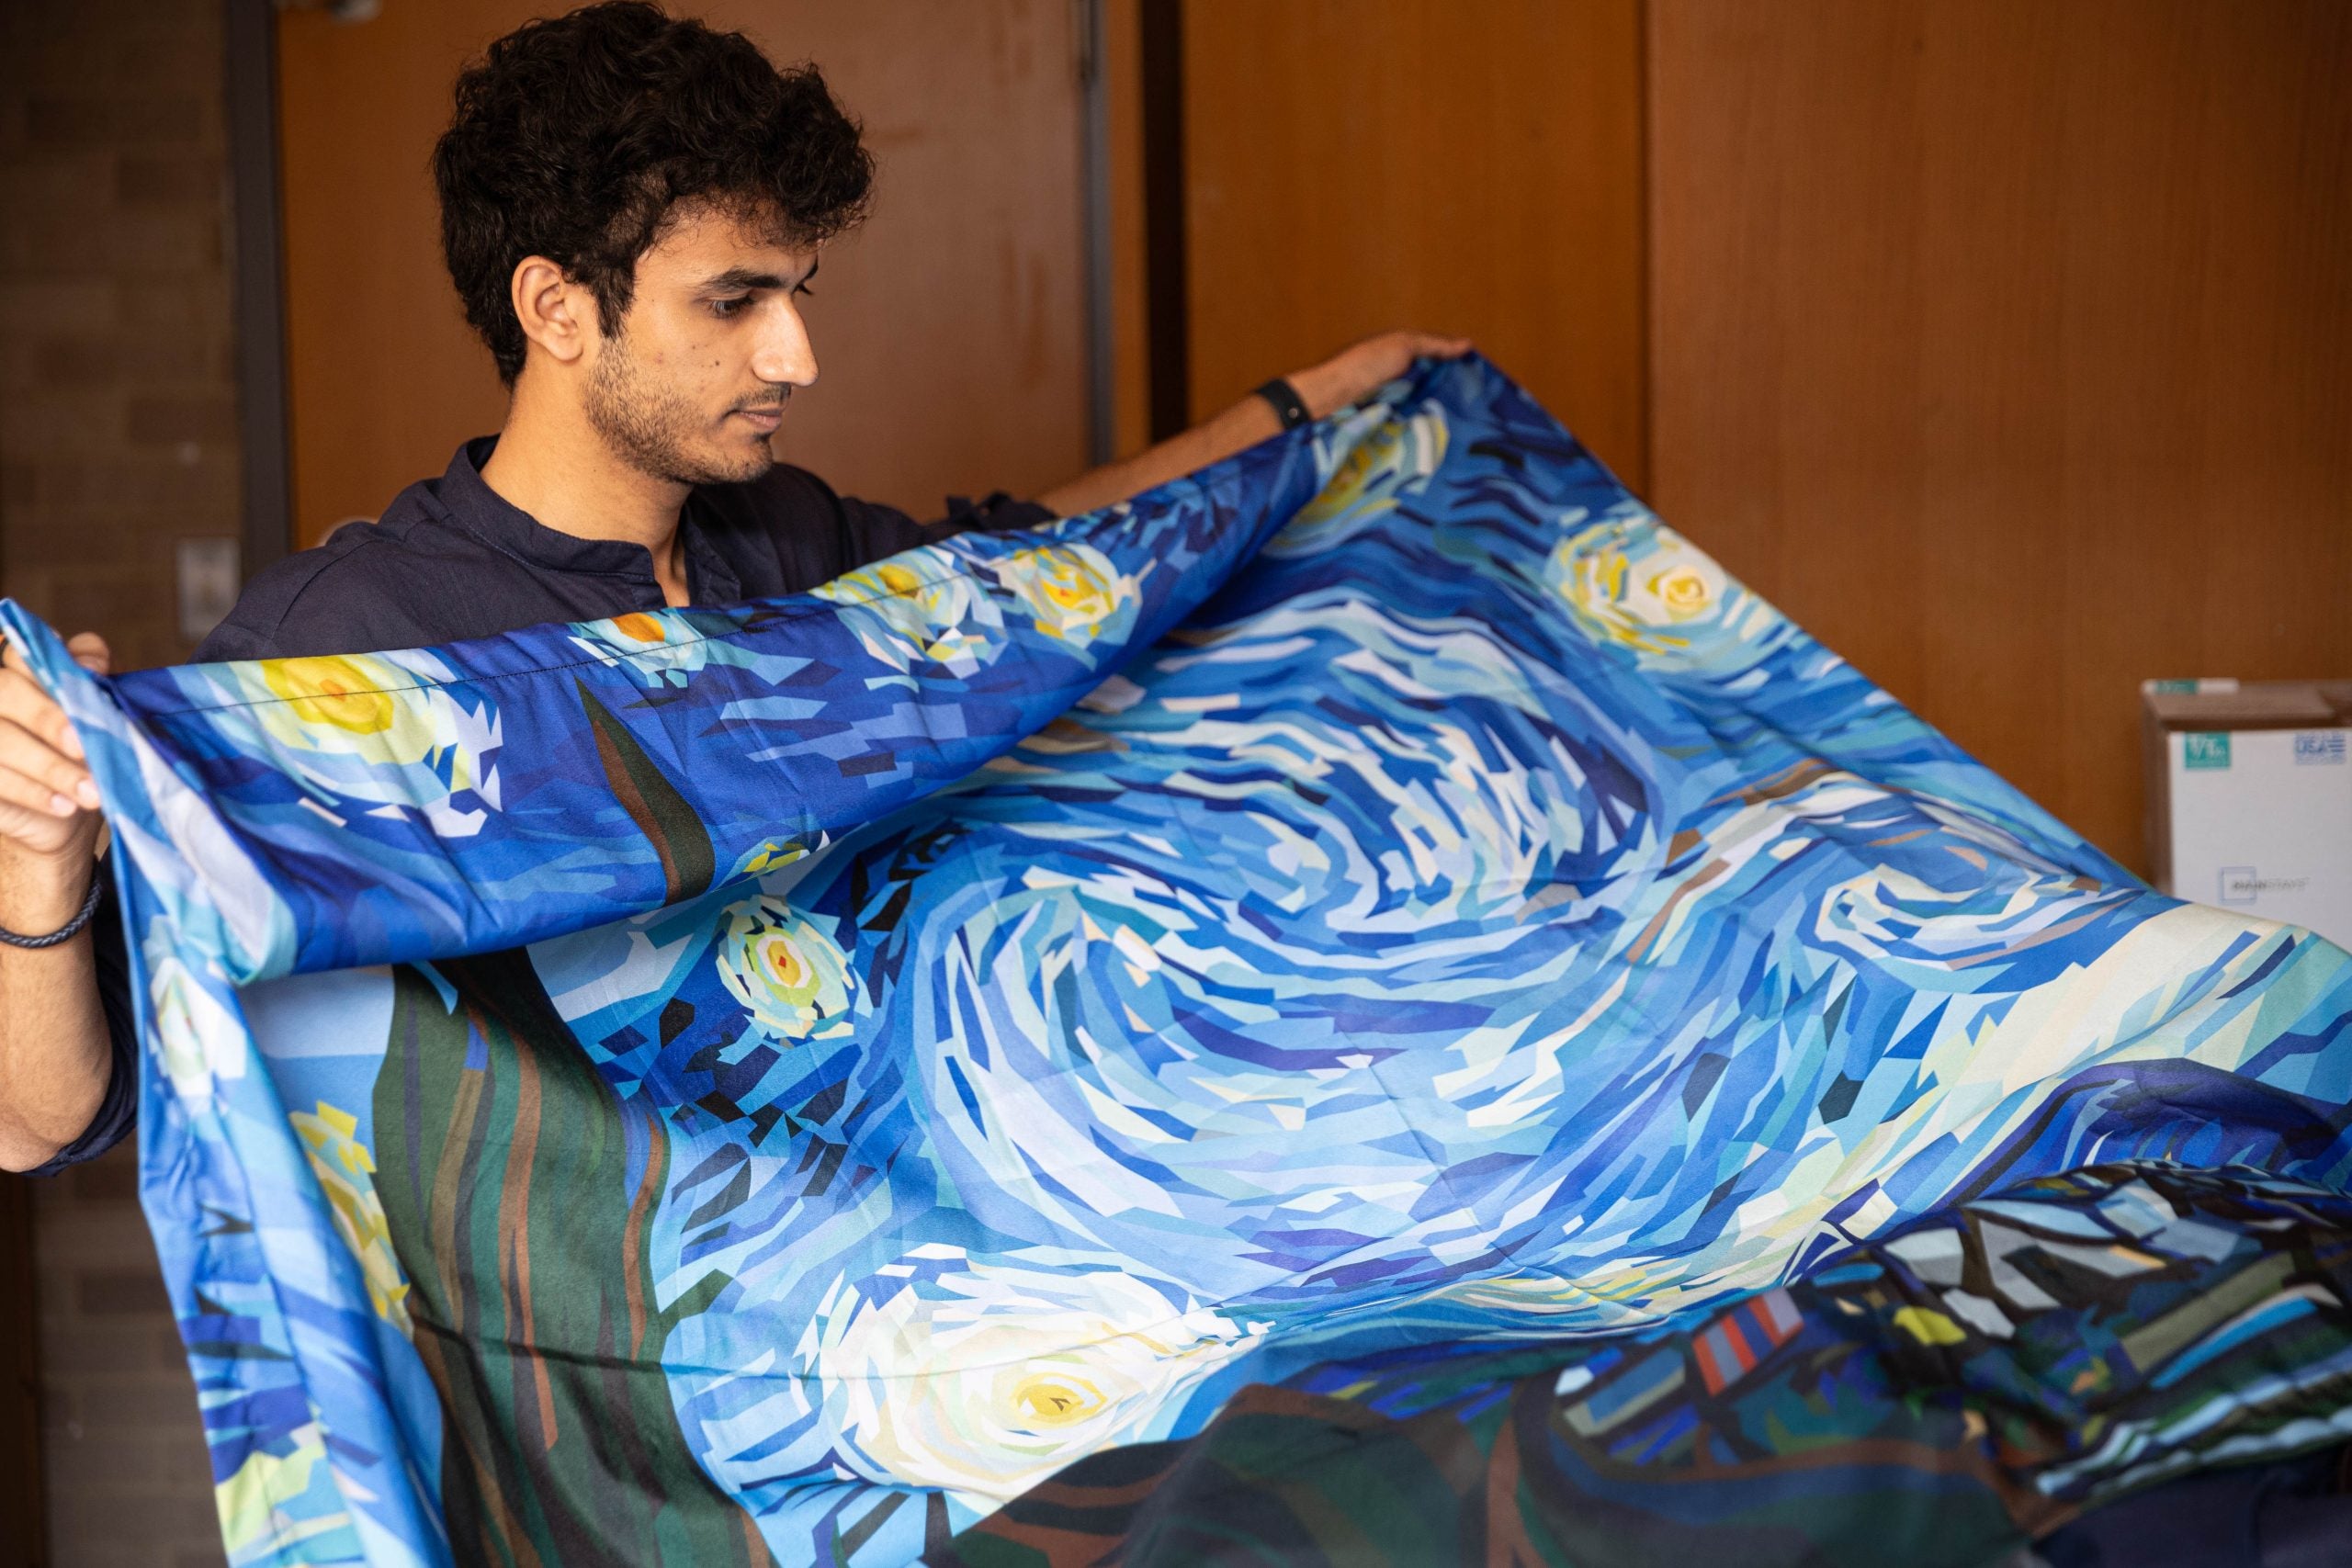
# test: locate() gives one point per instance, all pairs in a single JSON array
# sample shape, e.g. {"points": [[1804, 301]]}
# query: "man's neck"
{"points": [[553, 465]]}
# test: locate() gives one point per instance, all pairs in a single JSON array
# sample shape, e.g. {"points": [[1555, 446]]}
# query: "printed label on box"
{"points": [[2241, 885], [2206, 750], [2260, 821]]}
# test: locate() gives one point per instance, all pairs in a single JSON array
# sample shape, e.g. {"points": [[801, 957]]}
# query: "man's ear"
{"points": [[557, 314]]}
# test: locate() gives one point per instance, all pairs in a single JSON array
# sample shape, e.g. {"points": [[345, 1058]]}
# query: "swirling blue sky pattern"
{"points": [[1124, 973]]}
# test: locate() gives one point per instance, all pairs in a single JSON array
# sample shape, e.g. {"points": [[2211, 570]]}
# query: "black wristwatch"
{"points": [[1288, 406]]}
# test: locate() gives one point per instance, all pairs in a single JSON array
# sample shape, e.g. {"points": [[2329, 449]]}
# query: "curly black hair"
{"points": [[575, 136]]}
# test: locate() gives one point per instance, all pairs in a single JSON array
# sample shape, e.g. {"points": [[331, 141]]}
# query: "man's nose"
{"points": [[785, 357]]}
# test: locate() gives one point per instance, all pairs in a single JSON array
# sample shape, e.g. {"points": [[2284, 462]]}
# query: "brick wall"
{"points": [[122, 1450], [118, 438], [117, 387]]}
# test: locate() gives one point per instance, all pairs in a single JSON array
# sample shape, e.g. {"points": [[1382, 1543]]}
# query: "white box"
{"points": [[2250, 797]]}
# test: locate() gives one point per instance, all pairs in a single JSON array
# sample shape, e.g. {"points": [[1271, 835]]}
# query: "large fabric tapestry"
{"points": [[1370, 1005]]}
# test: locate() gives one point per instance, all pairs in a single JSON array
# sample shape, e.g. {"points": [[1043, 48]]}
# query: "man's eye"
{"points": [[804, 290], [723, 309]]}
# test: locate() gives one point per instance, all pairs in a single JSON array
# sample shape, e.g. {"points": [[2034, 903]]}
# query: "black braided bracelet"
{"points": [[67, 931]]}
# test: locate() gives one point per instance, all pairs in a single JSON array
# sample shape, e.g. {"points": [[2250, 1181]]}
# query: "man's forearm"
{"points": [[1246, 424], [1348, 376], [54, 1055]]}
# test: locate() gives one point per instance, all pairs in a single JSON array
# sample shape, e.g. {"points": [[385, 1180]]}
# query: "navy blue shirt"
{"points": [[450, 558]]}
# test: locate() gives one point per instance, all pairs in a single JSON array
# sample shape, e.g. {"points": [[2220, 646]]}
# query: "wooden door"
{"points": [[1466, 168], [950, 331], [2007, 346]]}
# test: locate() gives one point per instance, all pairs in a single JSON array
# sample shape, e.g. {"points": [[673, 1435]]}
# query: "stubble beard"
{"points": [[657, 431]]}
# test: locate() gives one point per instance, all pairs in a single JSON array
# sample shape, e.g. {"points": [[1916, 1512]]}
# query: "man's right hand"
{"points": [[54, 1056], [49, 806]]}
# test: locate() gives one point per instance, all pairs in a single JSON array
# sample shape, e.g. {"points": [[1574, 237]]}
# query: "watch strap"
{"points": [[1288, 406]]}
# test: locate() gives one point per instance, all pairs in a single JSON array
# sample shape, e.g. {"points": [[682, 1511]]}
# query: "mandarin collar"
{"points": [[469, 504]]}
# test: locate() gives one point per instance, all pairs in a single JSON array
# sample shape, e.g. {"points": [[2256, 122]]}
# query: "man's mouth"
{"points": [[766, 415]]}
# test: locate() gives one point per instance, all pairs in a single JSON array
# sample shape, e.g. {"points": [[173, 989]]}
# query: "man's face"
{"points": [[708, 354]]}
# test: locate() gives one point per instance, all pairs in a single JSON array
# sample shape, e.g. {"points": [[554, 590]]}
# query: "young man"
{"points": [[631, 206]]}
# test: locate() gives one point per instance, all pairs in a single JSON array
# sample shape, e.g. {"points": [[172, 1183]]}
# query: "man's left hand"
{"points": [[1362, 368]]}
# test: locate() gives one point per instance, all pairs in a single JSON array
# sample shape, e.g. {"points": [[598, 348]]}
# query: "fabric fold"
{"points": [[782, 1084], [276, 781]]}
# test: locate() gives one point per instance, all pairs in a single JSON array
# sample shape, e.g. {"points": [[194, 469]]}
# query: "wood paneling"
{"points": [[950, 329], [1130, 357], [2004, 343], [2007, 346], [1474, 169], [383, 376]]}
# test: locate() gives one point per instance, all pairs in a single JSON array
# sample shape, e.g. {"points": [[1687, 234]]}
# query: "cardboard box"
{"points": [[2250, 797]]}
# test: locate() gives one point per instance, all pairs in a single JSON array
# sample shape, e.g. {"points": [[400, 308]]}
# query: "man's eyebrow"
{"points": [[741, 277], [736, 278]]}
